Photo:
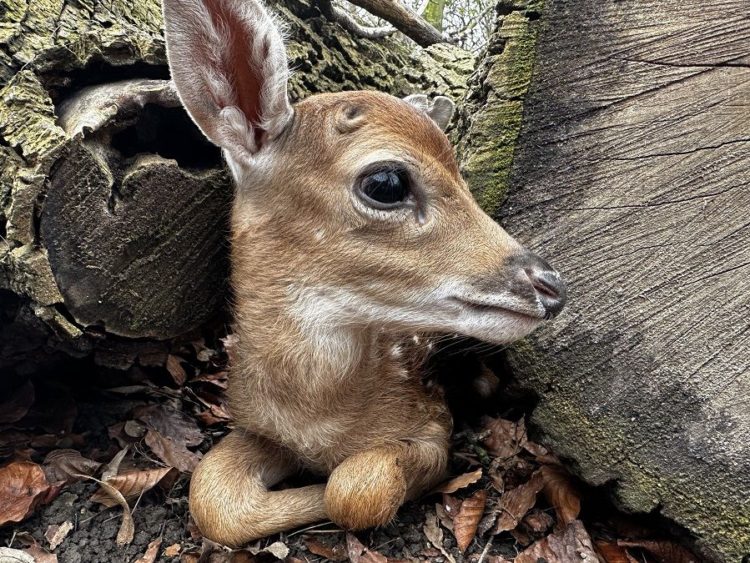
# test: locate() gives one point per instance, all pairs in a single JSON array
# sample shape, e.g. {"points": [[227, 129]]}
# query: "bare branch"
{"points": [[350, 24], [405, 20]]}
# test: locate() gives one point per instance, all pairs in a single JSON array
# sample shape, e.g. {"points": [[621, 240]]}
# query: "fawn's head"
{"points": [[352, 201]]}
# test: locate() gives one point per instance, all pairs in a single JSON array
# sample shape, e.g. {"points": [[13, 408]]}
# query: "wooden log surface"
{"points": [[632, 176], [112, 206]]}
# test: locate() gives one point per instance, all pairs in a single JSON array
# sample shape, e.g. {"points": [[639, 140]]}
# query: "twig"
{"points": [[346, 21], [485, 550]]}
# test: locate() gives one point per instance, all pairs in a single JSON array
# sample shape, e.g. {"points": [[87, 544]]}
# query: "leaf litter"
{"points": [[511, 499]]}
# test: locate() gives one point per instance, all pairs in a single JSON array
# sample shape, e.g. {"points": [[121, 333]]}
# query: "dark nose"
{"points": [[547, 283]]}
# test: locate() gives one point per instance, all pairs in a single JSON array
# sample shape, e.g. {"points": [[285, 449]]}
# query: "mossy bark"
{"points": [[629, 175], [101, 226]]}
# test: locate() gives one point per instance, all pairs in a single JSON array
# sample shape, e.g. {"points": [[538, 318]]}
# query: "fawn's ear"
{"points": [[229, 66], [440, 109]]}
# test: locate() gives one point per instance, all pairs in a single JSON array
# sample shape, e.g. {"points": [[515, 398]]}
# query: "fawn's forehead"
{"points": [[374, 117]]}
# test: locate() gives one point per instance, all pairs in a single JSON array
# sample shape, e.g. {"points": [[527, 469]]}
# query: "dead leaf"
{"points": [[537, 523], [515, 503], [152, 551], [171, 423], [8, 555], [39, 554], [278, 549], [332, 553], [664, 550], [358, 553], [23, 486], [561, 493], [613, 553], [170, 452], [574, 544], [15, 407], [468, 517], [61, 465], [127, 526], [55, 534], [175, 369], [506, 437], [172, 550], [129, 485], [113, 467], [459, 482], [434, 534]]}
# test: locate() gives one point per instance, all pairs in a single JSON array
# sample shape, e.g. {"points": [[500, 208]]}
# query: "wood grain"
{"points": [[632, 175]]}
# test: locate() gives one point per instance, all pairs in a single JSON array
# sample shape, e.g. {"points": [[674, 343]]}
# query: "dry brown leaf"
{"points": [[170, 423], [332, 553], [130, 485], [574, 544], [170, 452], [113, 467], [358, 553], [506, 437], [515, 503], [175, 369], [613, 553], [537, 522], [61, 465], [189, 557], [23, 486], [55, 535], [468, 517], [561, 493], [39, 554], [172, 550], [127, 526], [664, 550], [434, 534], [15, 407], [152, 551], [459, 482]]}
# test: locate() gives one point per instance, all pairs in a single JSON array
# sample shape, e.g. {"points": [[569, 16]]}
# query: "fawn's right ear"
{"points": [[228, 63]]}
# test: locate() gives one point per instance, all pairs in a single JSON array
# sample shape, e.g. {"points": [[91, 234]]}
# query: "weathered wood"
{"points": [[632, 174], [112, 206]]}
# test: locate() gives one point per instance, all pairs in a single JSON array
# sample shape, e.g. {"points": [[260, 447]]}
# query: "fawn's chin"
{"points": [[497, 325]]}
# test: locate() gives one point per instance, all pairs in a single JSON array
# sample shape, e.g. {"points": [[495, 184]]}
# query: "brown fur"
{"points": [[336, 398], [328, 283]]}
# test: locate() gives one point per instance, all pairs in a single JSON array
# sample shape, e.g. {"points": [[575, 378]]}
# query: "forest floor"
{"points": [[96, 464]]}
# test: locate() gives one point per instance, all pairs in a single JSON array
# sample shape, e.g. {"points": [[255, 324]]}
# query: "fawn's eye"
{"points": [[386, 188]]}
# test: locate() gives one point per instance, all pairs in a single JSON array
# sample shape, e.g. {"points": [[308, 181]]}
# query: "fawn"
{"points": [[351, 228]]}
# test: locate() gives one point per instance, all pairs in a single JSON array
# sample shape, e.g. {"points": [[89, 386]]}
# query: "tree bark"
{"points": [[112, 206], [631, 176]]}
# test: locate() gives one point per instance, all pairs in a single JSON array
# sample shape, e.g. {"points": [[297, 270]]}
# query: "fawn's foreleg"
{"points": [[367, 488], [229, 496]]}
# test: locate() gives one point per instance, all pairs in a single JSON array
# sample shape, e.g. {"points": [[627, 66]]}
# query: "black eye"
{"points": [[385, 189]]}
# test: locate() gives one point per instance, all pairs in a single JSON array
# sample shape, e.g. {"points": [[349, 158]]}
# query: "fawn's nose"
{"points": [[548, 286]]}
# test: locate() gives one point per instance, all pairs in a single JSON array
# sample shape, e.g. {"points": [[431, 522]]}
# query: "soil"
{"points": [[97, 399]]}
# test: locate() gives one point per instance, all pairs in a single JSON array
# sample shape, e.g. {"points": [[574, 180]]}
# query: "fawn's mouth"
{"points": [[501, 309]]}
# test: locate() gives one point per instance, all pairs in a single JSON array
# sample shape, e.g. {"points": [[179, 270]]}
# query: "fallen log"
{"points": [[112, 206]]}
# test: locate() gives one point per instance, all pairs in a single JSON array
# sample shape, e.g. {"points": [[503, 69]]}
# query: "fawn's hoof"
{"points": [[365, 491]]}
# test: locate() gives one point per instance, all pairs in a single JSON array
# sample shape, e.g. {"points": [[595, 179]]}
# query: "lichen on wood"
{"points": [[490, 119], [52, 49]]}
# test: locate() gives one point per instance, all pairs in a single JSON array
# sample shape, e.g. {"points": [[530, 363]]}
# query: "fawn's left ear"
{"points": [[229, 66], [440, 109]]}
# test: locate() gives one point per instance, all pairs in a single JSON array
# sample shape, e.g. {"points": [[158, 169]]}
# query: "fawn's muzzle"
{"points": [[549, 288]]}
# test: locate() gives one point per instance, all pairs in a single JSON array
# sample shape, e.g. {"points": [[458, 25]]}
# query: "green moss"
{"points": [[605, 450], [492, 115]]}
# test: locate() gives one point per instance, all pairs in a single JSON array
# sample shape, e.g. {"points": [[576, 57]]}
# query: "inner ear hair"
{"points": [[439, 109]]}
